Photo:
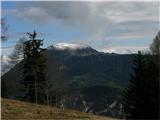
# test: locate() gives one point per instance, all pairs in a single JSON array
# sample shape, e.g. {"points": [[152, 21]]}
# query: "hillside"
{"points": [[85, 68], [11, 109], [75, 74]]}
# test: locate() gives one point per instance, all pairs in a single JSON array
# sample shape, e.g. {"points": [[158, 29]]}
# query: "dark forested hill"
{"points": [[94, 68], [78, 74]]}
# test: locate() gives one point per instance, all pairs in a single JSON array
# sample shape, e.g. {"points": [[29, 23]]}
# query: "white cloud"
{"points": [[2, 49], [4, 59], [63, 46], [102, 21], [125, 49]]}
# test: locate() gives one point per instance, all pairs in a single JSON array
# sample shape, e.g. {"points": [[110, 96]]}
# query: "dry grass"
{"points": [[16, 110]]}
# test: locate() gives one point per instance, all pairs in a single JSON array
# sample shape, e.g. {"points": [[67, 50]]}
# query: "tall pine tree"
{"points": [[34, 70], [135, 93], [141, 97], [153, 78]]}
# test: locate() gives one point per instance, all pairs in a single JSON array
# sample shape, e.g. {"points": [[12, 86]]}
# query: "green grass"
{"points": [[17, 110]]}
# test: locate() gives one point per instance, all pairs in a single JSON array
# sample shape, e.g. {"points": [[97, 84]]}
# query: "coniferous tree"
{"points": [[134, 93], [4, 88], [34, 70], [153, 78], [141, 99]]}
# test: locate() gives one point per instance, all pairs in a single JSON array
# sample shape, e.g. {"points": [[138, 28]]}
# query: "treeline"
{"points": [[141, 97]]}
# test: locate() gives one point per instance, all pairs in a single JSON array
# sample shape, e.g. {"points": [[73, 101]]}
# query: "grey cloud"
{"points": [[101, 20]]}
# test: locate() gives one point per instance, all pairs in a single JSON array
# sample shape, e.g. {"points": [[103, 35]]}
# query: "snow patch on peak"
{"points": [[63, 46]]}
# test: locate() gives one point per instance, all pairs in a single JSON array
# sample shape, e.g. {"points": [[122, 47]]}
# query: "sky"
{"points": [[120, 27]]}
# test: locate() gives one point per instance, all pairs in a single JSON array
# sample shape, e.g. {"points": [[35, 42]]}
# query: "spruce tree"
{"points": [[34, 70], [135, 92], [3, 88], [141, 97], [153, 78]]}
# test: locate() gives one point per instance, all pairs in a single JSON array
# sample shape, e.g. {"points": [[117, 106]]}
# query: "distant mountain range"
{"points": [[79, 71]]}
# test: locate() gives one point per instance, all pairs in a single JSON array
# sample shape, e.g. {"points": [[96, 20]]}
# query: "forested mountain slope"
{"points": [[76, 74]]}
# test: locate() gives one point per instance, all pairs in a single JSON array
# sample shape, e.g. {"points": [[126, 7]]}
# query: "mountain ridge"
{"points": [[72, 49], [71, 46], [72, 74]]}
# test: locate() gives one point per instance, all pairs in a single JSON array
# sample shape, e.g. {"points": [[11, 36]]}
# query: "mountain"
{"points": [[81, 78], [72, 49], [64, 46]]}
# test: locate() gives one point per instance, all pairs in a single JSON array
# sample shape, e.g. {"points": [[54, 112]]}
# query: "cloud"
{"points": [[2, 49], [125, 49], [102, 21], [88, 13], [4, 59], [4, 64]]}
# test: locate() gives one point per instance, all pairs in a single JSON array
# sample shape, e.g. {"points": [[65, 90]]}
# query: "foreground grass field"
{"points": [[11, 109]]}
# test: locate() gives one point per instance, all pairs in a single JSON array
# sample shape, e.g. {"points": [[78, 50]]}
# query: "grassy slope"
{"points": [[11, 109]]}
